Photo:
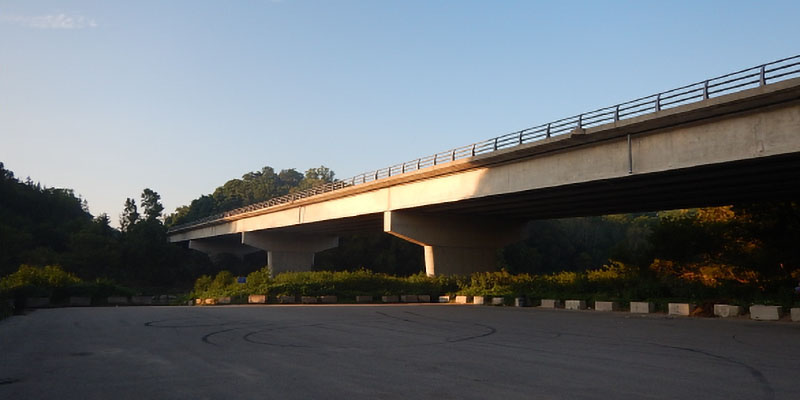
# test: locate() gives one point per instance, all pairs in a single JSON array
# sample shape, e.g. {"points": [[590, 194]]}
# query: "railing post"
{"points": [[548, 131], [658, 102], [762, 78], [580, 121], [418, 161], [376, 174], [495, 144], [705, 90], [453, 155], [616, 113], [403, 169], [520, 137], [473, 149]]}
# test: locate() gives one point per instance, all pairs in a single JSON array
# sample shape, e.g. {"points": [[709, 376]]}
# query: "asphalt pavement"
{"points": [[426, 351]]}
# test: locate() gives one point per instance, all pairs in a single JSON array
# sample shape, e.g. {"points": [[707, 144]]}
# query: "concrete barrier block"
{"points": [[551, 303], [77, 301], [424, 298], [117, 300], [257, 299], [642, 307], [209, 302], [409, 298], [390, 299], [328, 299], [462, 299], [480, 300], [308, 299], [682, 309], [165, 299], [224, 300], [142, 300], [726, 310], [198, 302], [795, 312], [287, 299], [498, 301], [606, 306], [765, 313], [575, 304], [444, 299], [37, 302], [364, 299], [520, 302]]}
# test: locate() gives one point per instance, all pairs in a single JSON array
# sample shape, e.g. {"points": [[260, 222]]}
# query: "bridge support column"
{"points": [[454, 245], [214, 248], [289, 252]]}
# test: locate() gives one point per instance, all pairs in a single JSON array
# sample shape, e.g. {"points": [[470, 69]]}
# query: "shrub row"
{"points": [[613, 282], [55, 283]]}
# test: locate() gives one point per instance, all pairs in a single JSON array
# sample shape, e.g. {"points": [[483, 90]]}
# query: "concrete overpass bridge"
{"points": [[723, 140]]}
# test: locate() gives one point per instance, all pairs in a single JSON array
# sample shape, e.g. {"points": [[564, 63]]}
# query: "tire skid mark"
{"points": [[207, 338], [769, 392], [490, 329], [247, 337]]}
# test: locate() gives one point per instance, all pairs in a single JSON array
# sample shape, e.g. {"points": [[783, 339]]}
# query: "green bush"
{"points": [[52, 281]]}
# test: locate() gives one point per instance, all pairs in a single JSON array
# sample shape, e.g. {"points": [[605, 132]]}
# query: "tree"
{"points": [[130, 215], [151, 205]]}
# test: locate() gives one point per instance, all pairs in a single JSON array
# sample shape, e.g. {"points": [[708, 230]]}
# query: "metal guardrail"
{"points": [[733, 82]]}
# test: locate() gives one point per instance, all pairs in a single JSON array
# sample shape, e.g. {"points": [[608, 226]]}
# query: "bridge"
{"points": [[719, 141]]}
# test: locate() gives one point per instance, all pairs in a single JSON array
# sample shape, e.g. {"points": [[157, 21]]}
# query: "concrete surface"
{"points": [[765, 313], [463, 299], [606, 306], [329, 299], [682, 309], [727, 310], [257, 299], [409, 298], [575, 304], [479, 300], [393, 298], [117, 300], [642, 307], [79, 301], [364, 299], [795, 314], [391, 352], [550, 303]]}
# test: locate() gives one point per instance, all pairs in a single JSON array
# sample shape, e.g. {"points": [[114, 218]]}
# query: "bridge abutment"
{"points": [[289, 252], [454, 244]]}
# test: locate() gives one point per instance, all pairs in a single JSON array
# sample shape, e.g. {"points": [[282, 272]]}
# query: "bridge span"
{"points": [[724, 140]]}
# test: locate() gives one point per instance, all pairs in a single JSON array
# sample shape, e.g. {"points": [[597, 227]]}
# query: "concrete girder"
{"points": [[289, 252], [454, 245], [215, 247]]}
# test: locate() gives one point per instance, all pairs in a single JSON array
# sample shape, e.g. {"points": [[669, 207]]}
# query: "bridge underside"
{"points": [[737, 148], [762, 179]]}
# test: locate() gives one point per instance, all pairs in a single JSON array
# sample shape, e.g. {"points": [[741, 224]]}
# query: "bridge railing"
{"points": [[748, 78]]}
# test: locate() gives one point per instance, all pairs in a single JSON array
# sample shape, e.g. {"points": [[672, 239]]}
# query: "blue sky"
{"points": [[111, 97]]}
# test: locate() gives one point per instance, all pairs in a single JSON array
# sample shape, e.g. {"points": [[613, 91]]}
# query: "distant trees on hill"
{"points": [[252, 188]]}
